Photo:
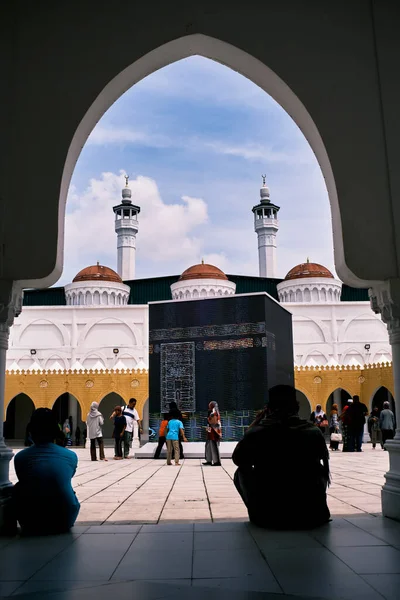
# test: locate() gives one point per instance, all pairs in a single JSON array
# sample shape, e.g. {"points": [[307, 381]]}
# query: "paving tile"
{"points": [[24, 556], [346, 536], [268, 540], [295, 572], [167, 527], [169, 563], [8, 587], [47, 586], [169, 541], [224, 540], [370, 559], [386, 584], [91, 557], [114, 529], [230, 563], [226, 526], [250, 584]]}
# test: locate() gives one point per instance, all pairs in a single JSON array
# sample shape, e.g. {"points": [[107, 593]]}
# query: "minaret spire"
{"points": [[126, 228], [266, 226]]}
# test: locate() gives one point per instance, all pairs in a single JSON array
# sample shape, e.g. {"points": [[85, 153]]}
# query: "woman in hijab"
{"points": [[319, 418], [94, 423], [334, 426], [214, 435]]}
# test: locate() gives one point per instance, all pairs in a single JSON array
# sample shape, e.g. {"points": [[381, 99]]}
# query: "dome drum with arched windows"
{"points": [[202, 281], [97, 285], [309, 283]]}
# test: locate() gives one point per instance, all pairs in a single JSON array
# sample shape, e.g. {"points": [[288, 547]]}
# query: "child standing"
{"points": [[119, 430], [174, 428], [162, 432]]}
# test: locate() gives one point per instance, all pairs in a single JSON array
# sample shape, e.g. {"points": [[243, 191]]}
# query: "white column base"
{"points": [[391, 489], [8, 524]]}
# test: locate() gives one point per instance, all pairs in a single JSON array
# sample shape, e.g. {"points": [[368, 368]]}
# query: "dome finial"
{"points": [[264, 177], [202, 261], [126, 180]]}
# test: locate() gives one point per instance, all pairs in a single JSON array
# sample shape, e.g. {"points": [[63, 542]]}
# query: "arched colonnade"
{"points": [[55, 390], [318, 384]]}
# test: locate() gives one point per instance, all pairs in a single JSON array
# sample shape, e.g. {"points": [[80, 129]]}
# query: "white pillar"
{"points": [[337, 398], [385, 299], [10, 306], [126, 255]]}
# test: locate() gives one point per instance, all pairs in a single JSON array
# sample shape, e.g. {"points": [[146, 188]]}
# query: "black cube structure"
{"points": [[229, 349]]}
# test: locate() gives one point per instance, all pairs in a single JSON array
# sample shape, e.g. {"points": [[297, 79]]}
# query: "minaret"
{"points": [[126, 228], [266, 227]]}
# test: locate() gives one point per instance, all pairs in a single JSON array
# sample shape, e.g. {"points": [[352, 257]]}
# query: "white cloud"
{"points": [[103, 136], [264, 153], [166, 237]]}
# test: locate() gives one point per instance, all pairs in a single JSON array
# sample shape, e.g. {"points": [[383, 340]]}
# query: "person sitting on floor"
{"points": [[44, 500], [283, 459]]}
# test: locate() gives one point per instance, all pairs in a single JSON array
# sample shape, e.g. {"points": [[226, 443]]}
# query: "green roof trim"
{"points": [[46, 297], [157, 289], [350, 294]]}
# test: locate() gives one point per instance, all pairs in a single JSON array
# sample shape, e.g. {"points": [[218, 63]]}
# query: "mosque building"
{"points": [[89, 340]]}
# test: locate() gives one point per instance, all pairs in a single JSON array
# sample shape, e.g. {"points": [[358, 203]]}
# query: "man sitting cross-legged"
{"points": [[45, 502], [283, 466]]}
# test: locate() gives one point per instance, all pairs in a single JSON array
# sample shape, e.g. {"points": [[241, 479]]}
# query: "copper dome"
{"points": [[203, 271], [97, 273], [308, 269]]}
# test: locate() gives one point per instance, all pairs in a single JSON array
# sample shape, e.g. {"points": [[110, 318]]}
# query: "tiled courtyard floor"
{"points": [[148, 491], [197, 542]]}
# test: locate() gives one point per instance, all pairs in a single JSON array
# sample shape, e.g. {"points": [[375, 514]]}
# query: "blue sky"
{"points": [[195, 138]]}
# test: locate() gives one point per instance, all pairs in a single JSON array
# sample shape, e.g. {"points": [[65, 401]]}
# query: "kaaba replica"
{"points": [[229, 349]]}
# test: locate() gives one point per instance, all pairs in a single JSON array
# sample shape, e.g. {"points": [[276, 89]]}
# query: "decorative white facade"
{"points": [[94, 293], [126, 228], [266, 227], [75, 337], [202, 288], [317, 290]]}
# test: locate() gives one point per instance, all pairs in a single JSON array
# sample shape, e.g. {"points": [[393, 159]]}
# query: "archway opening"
{"points": [[106, 407], [18, 415], [67, 408], [304, 405], [339, 397], [382, 395]]}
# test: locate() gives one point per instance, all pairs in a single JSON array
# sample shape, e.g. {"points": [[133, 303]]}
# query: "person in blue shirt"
{"points": [[44, 500], [174, 428]]}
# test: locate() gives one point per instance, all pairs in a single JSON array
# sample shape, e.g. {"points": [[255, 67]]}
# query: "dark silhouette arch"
{"points": [[18, 415], [304, 405], [382, 395], [342, 401], [68, 407], [106, 407]]}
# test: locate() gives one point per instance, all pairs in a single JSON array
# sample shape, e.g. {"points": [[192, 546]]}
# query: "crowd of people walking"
{"points": [[348, 426]]}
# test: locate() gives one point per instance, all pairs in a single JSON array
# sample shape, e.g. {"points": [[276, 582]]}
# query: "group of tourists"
{"points": [[126, 420], [171, 432], [348, 426]]}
